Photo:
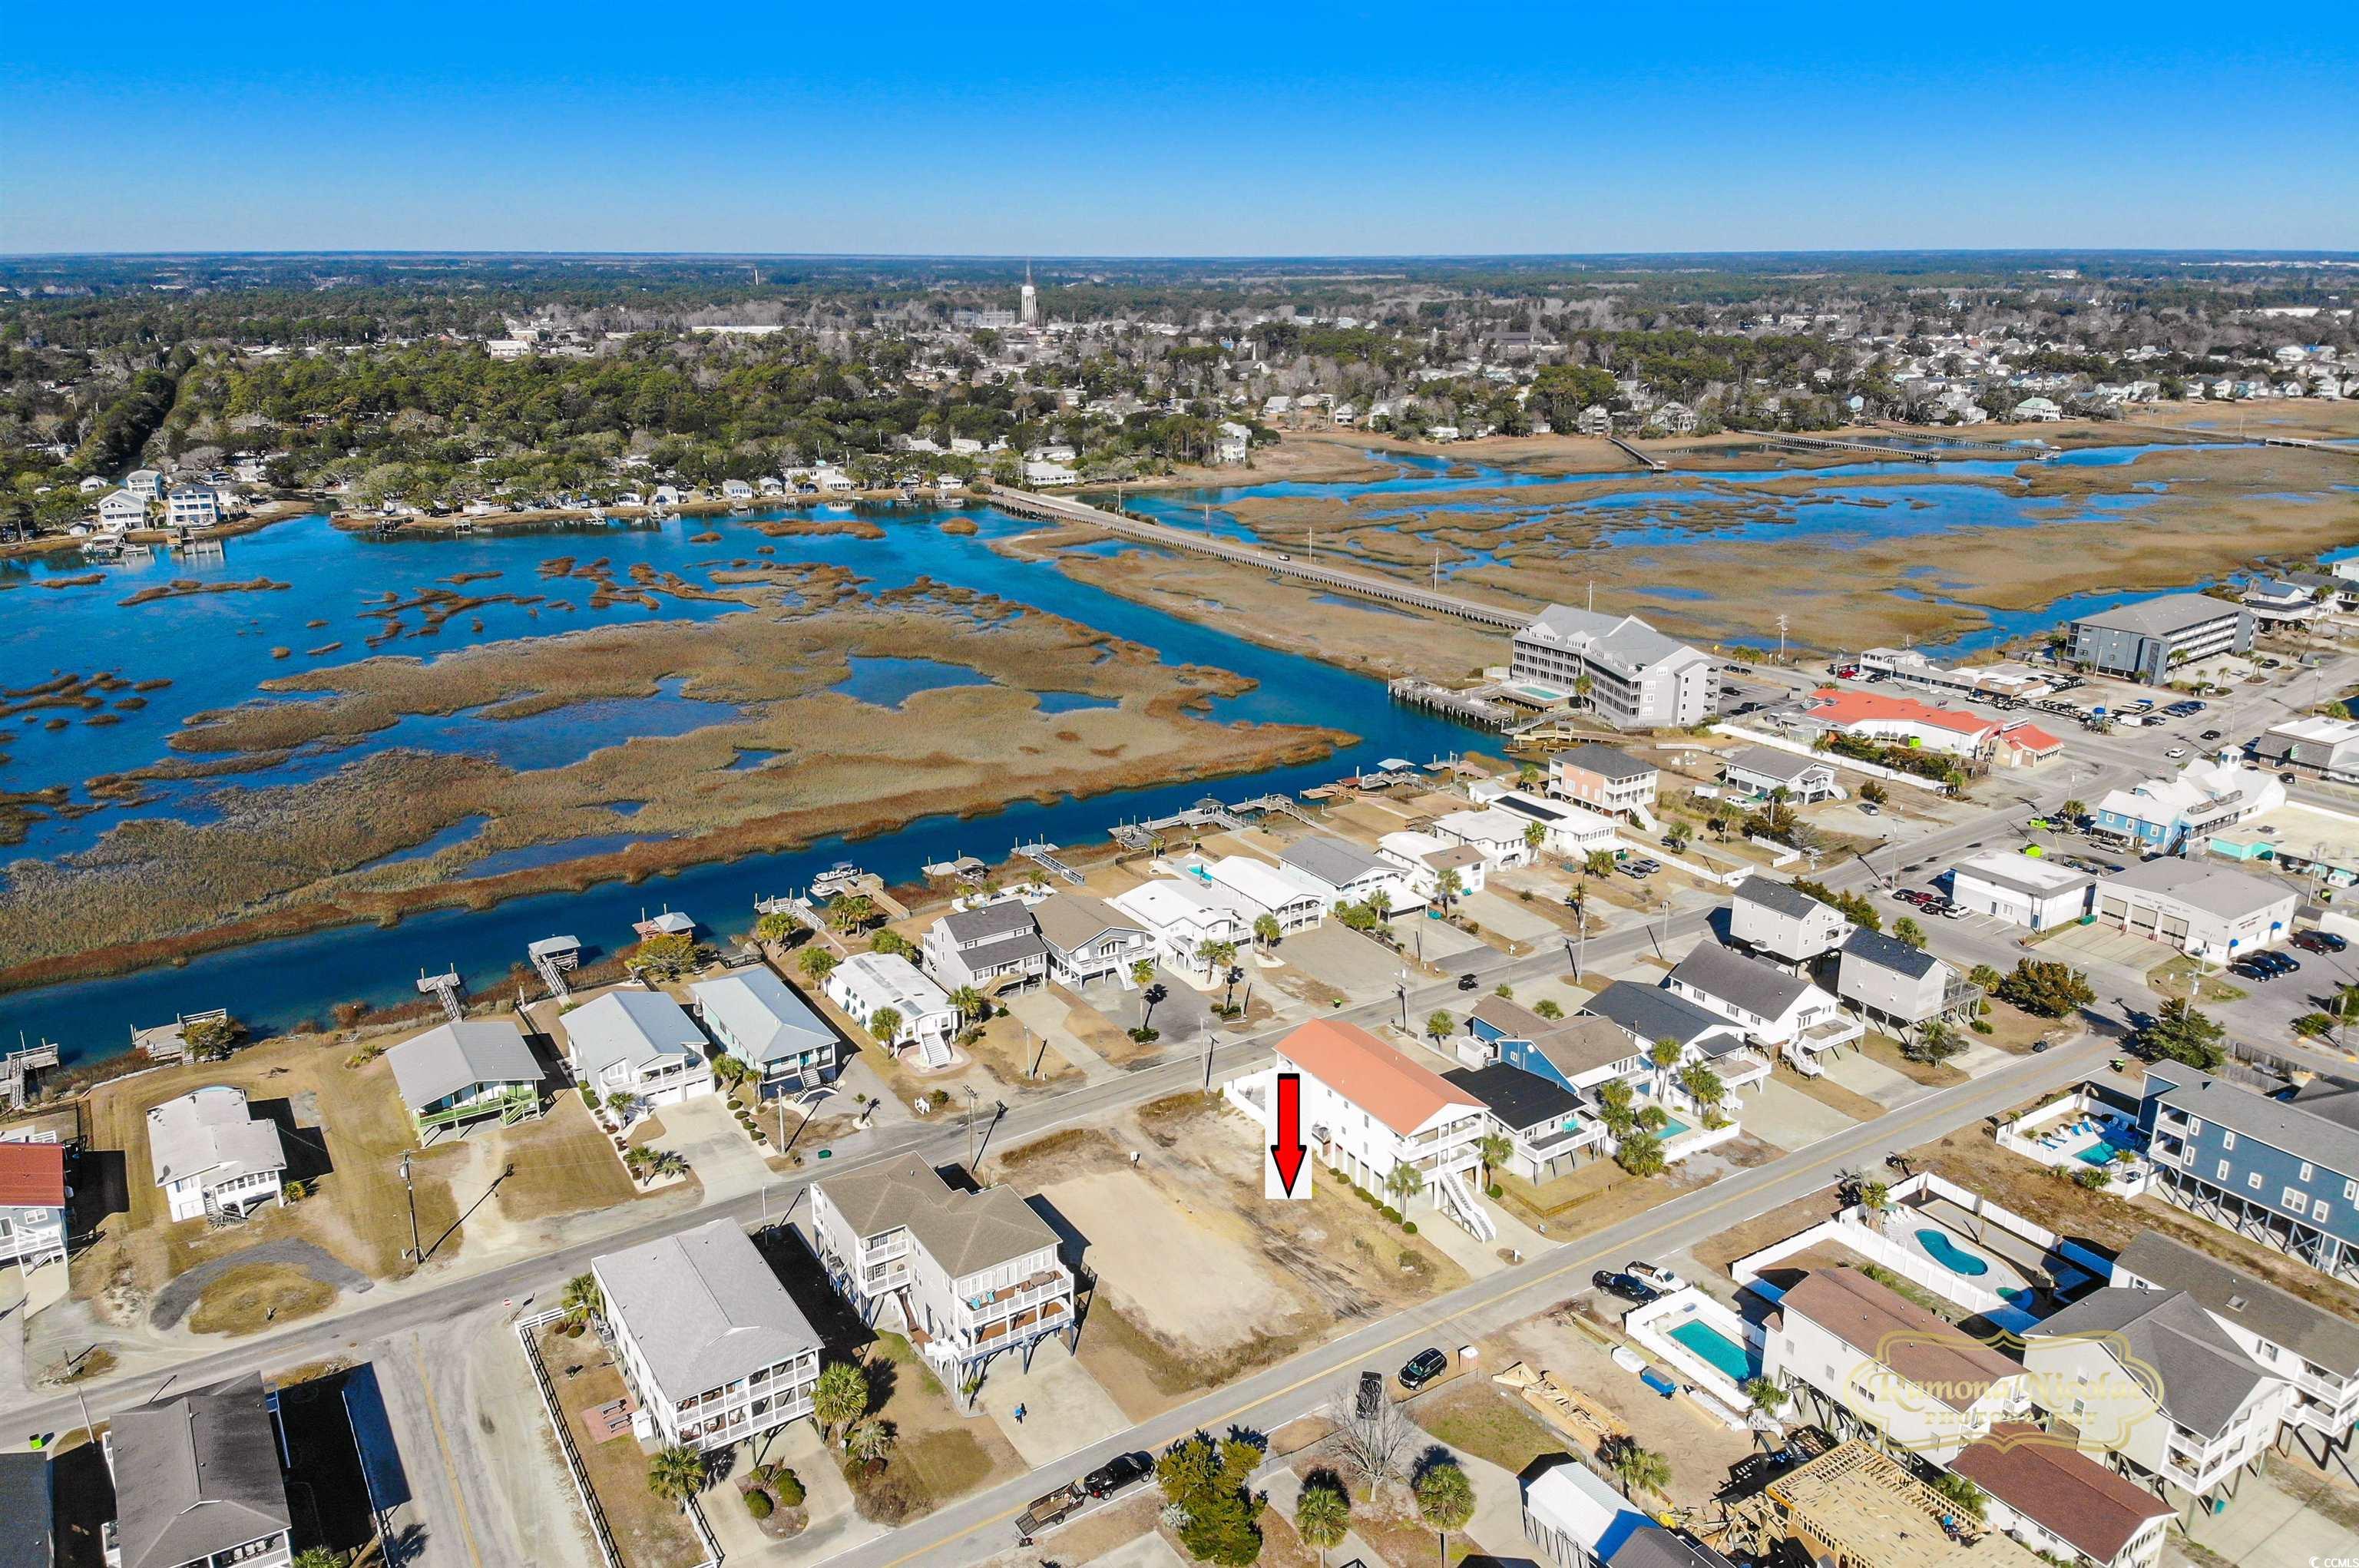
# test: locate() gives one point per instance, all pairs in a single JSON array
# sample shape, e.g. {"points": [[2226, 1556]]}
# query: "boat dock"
{"points": [[444, 987], [1368, 585], [17, 1070], [553, 958], [1654, 464], [1043, 853], [1868, 449], [2310, 445], [1465, 706]]}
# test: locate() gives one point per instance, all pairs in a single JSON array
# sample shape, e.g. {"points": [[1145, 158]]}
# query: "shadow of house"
{"points": [[102, 1189], [307, 1146], [84, 1493], [325, 1482], [804, 1279]]}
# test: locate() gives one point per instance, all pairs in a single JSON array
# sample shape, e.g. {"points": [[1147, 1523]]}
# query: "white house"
{"points": [[969, 1275], [1757, 770], [32, 1203], [737, 490], [867, 983], [640, 1043], [756, 1018], [213, 1155], [192, 506], [121, 511], [2020, 889], [1425, 859], [1566, 829], [1864, 1361], [1087, 938], [1781, 921], [1780, 1012], [714, 1350], [1367, 1109], [2198, 907], [1270, 890], [1499, 837], [1339, 872], [146, 483], [1184, 915]]}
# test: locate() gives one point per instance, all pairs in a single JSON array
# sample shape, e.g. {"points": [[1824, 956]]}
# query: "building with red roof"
{"points": [[1903, 721], [2057, 1500], [32, 1203]]}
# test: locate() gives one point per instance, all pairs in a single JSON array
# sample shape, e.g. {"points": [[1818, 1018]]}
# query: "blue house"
{"points": [[2282, 1172], [1575, 1053]]}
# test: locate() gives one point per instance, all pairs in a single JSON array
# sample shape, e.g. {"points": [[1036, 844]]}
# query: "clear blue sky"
{"points": [[1174, 129]]}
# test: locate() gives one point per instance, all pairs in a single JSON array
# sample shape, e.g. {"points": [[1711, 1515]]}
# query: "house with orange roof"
{"points": [[32, 1203], [1369, 1109]]}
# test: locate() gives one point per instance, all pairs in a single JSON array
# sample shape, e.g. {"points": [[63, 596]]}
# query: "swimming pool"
{"points": [[1717, 1349], [1672, 1129], [1950, 1255], [2099, 1153]]}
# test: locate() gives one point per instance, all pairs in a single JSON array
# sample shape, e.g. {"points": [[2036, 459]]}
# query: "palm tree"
{"points": [[1581, 687], [870, 1440], [640, 1162], [1450, 884], [969, 1002], [1405, 1182], [1636, 1468], [1148, 998], [840, 1397], [1380, 904], [1438, 1025], [1268, 932], [1549, 1008], [1445, 1499], [676, 1475], [1677, 835], [817, 963], [1535, 836], [619, 1102], [2073, 809], [1664, 1055], [1598, 862], [1526, 777], [1142, 971], [1219, 955], [730, 1070], [1703, 1084], [1492, 1150], [883, 1024], [1767, 1397], [582, 1300], [850, 912], [1322, 1518]]}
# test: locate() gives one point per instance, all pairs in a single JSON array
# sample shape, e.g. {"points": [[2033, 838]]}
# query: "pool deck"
{"points": [[1901, 1229]]}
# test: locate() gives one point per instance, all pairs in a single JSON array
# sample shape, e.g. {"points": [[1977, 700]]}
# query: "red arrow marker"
{"points": [[1287, 1151]]}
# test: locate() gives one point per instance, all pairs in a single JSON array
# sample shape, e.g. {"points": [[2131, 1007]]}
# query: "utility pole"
{"points": [[1781, 637], [970, 1131], [1212, 1038], [417, 1253]]}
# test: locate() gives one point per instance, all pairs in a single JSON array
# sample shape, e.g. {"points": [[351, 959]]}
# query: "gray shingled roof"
{"points": [[27, 1514], [2228, 1292], [1005, 918], [1741, 982], [1070, 921], [201, 1477], [1654, 1547], [704, 1308], [1772, 894], [2275, 1123], [1649, 1013], [2160, 617], [1606, 762], [1584, 1044], [963, 1232], [2204, 1378], [1331, 860], [1889, 953], [450, 1057]]}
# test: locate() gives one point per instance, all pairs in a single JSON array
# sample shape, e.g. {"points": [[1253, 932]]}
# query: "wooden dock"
{"points": [[1654, 464]]}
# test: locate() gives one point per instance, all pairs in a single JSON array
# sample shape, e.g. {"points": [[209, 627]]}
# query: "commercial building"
{"points": [[2021, 890], [1780, 921], [971, 1275], [1368, 1109], [2298, 837], [1617, 667], [2197, 907], [2282, 1172], [996, 945], [640, 1043], [197, 1481], [2314, 745], [868, 985], [2170, 814], [1903, 721], [2147, 641], [456, 1073], [756, 1018], [714, 1350], [213, 1155], [1605, 780], [1864, 1361]]}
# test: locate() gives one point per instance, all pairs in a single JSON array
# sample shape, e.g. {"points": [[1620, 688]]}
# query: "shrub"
{"points": [[1409, 1227], [790, 1487], [1389, 1212], [1146, 1036], [1497, 1191], [589, 1096], [757, 1503], [1980, 1026]]}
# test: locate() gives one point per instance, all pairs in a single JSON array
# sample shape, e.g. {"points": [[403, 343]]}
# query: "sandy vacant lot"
{"points": [[1209, 1292]]}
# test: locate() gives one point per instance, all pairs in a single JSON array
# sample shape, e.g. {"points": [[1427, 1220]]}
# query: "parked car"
{"points": [[1662, 1279], [1629, 1287], [1115, 1474], [2175, 753], [2320, 942], [2211, 735], [1423, 1368], [1370, 1399], [1468, 981]]}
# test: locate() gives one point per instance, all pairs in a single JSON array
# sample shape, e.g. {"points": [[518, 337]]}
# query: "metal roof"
{"points": [[764, 1017], [2160, 617], [1332, 861], [452, 1057], [636, 1027], [211, 1130]]}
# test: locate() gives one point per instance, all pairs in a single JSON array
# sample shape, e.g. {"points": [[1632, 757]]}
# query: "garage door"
{"points": [[2113, 910], [2174, 929]]}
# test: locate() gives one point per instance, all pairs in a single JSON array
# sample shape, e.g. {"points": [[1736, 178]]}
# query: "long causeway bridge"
{"points": [[1368, 585]]}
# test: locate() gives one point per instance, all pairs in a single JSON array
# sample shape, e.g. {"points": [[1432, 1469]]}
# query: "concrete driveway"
{"points": [[1863, 1075], [2264, 1524], [1064, 1408], [1779, 1113], [1511, 918], [716, 1149], [2105, 944]]}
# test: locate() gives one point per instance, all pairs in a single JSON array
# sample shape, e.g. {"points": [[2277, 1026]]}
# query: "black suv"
{"points": [[1629, 1287], [1423, 1368], [1115, 1474]]}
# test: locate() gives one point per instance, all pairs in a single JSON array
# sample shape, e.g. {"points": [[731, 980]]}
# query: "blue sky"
{"points": [[1198, 129]]}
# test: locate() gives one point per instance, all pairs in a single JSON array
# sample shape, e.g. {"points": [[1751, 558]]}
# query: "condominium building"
{"points": [[2282, 1172], [2147, 641], [1617, 667]]}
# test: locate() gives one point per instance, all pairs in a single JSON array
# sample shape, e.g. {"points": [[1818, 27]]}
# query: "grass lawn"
{"points": [[1478, 1417], [564, 1164], [940, 1455], [2015, 1031], [2177, 977], [1884, 1049], [254, 1296], [649, 1533]]}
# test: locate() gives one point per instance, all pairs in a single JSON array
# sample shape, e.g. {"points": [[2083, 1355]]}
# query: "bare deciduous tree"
{"points": [[1376, 1445]]}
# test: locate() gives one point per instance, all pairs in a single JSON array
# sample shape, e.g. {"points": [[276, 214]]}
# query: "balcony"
{"points": [[1049, 1284]]}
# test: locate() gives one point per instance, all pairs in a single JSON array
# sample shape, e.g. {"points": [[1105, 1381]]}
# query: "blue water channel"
{"points": [[217, 649]]}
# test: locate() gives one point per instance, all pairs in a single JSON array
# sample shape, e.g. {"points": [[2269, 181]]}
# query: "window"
{"points": [[2294, 1198], [2227, 1139], [2305, 1173], [2222, 1172], [2253, 1182], [2318, 1211], [2195, 1127]]}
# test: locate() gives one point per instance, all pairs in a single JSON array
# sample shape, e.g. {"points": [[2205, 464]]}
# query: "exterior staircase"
{"points": [[1451, 1194]]}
